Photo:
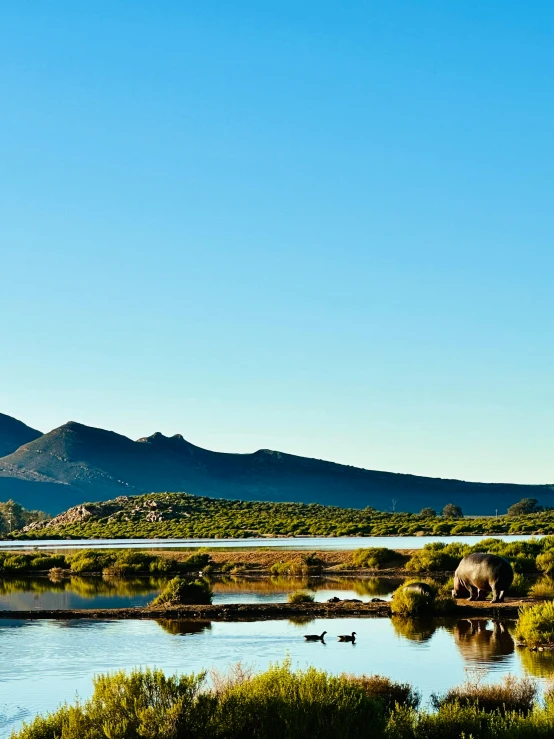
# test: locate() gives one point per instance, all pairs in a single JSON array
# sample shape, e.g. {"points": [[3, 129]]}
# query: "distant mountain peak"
{"points": [[159, 440], [14, 433]]}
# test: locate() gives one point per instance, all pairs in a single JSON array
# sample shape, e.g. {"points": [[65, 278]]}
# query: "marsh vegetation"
{"points": [[288, 704]]}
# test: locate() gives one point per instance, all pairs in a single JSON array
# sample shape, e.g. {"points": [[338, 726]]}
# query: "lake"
{"points": [[307, 542], [46, 662]]}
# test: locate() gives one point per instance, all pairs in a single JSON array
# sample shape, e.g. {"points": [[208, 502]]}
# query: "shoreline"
{"points": [[263, 611]]}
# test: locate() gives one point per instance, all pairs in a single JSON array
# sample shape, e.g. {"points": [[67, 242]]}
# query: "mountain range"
{"points": [[76, 463]]}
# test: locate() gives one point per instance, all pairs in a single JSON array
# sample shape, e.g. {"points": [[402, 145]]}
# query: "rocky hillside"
{"points": [[14, 433], [178, 515], [75, 463]]}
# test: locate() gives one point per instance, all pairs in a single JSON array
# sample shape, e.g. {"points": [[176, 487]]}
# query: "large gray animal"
{"points": [[420, 587], [480, 573]]}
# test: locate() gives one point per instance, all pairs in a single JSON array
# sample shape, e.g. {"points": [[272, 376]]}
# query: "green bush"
{"points": [[180, 592], [431, 560], [376, 558], [523, 563], [301, 597], [520, 586], [90, 560], [545, 562], [409, 602], [387, 692], [281, 568], [196, 561], [535, 625], [163, 566], [543, 588]]}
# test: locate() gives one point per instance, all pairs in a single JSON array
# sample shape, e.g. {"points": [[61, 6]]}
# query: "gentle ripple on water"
{"points": [[46, 662]]}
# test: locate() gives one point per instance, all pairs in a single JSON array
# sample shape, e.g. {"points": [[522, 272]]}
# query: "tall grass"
{"points": [[282, 703], [512, 694]]}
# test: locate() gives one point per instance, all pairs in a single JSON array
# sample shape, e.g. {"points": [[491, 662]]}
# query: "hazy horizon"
{"points": [[318, 229]]}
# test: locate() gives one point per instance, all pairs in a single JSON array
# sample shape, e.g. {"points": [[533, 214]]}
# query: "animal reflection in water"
{"points": [[478, 643]]}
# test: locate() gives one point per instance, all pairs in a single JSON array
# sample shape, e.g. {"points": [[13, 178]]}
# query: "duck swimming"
{"points": [[314, 637], [348, 637]]}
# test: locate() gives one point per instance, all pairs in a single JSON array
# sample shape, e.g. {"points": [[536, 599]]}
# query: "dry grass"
{"points": [[263, 559], [512, 694]]}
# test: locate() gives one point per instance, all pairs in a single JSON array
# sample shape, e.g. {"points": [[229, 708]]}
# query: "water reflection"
{"points": [[300, 620], [184, 628], [481, 641], [414, 629], [105, 592], [537, 664], [276, 589], [77, 592]]}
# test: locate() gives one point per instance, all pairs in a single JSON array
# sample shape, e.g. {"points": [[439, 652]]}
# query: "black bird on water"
{"points": [[315, 637], [348, 637]]}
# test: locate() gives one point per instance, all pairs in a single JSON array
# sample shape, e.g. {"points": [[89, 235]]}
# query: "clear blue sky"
{"points": [[319, 227]]}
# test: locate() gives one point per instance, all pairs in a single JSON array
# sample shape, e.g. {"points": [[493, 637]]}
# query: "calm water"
{"points": [[344, 542], [97, 592], [46, 662]]}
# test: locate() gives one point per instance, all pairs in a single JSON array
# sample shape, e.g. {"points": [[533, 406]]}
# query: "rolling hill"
{"points": [[76, 463], [14, 433]]}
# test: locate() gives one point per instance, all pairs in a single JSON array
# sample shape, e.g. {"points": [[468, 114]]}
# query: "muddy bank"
{"points": [[262, 611]]}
